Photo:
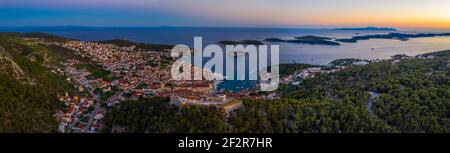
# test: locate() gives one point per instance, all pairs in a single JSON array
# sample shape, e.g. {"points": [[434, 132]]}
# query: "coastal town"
{"points": [[106, 75]]}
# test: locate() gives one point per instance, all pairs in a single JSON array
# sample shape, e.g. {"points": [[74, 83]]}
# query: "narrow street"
{"points": [[94, 112]]}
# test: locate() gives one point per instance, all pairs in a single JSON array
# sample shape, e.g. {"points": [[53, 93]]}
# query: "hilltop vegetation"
{"points": [[46, 36], [28, 90]]}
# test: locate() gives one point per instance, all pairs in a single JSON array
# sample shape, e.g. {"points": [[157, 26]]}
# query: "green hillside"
{"points": [[28, 90]]}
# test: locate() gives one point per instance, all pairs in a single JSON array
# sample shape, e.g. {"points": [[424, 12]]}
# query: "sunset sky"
{"points": [[248, 13]]}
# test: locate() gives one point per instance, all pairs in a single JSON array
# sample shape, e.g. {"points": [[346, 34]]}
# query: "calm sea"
{"points": [[289, 52]]}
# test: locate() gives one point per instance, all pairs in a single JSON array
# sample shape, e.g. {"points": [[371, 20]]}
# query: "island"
{"points": [[312, 40], [369, 29], [274, 40], [243, 42], [398, 36]]}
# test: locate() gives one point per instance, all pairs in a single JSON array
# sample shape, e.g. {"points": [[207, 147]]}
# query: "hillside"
{"points": [[28, 90]]}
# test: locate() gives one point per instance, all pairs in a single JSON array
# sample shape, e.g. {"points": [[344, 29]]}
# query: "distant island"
{"points": [[369, 28], [243, 42], [399, 36], [312, 40]]}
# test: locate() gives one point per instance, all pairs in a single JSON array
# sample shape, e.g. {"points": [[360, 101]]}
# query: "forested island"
{"points": [[311, 40], [243, 42]]}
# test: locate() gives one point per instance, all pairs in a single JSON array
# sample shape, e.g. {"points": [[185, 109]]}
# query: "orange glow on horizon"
{"points": [[433, 14]]}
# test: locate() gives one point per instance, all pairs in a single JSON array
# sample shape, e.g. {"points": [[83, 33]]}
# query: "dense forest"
{"points": [[157, 115], [414, 96], [414, 93]]}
